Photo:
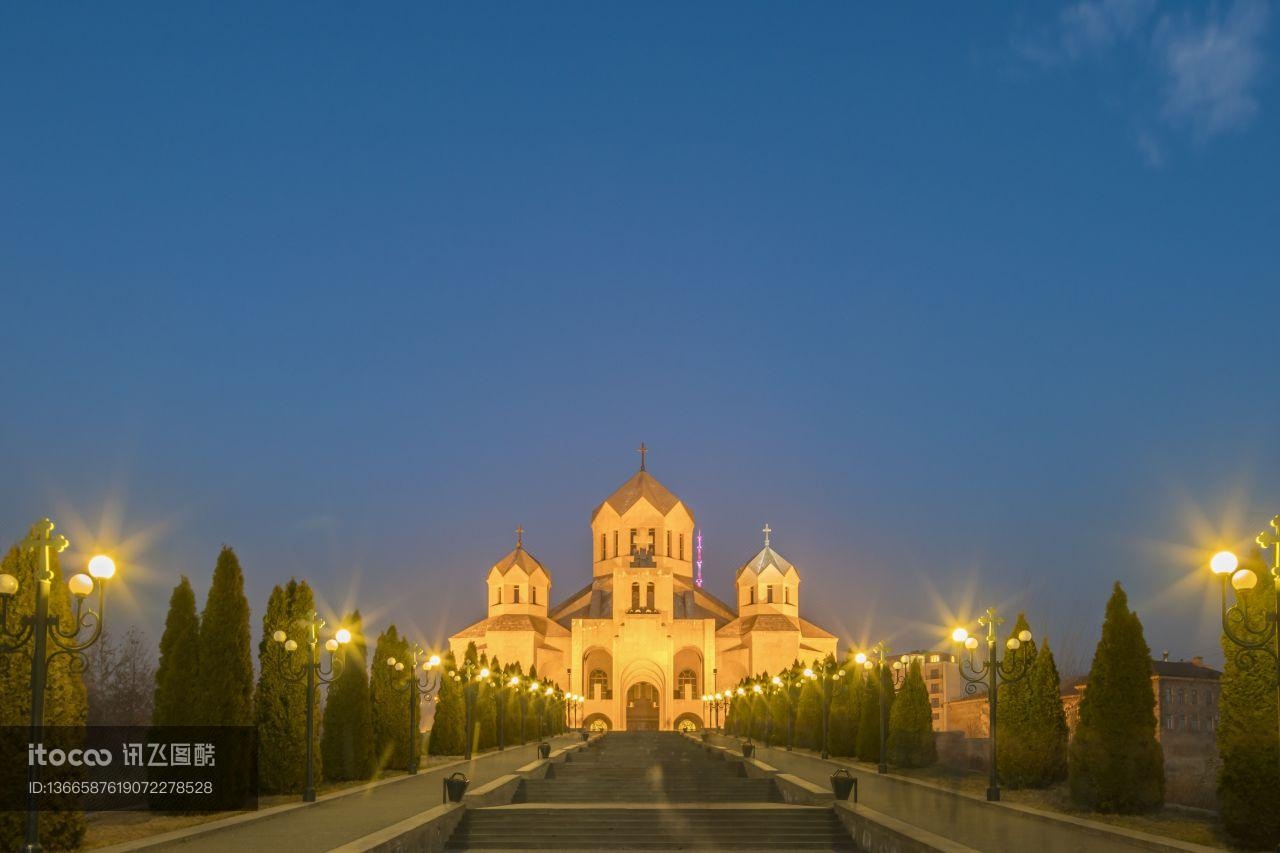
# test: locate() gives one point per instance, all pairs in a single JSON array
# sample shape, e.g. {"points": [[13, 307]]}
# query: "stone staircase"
{"points": [[648, 791]]}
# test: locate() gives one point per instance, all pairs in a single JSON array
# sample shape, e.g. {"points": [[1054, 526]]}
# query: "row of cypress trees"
{"points": [[206, 676], [524, 715], [794, 716]]}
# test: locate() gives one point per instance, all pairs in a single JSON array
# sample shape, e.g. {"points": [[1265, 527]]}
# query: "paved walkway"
{"points": [[341, 817]]}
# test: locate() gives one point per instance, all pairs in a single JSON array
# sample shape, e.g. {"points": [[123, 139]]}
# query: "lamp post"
{"points": [[792, 684], [313, 672], [717, 701], [1251, 635], [897, 673], [828, 672], [41, 628], [993, 672], [416, 690]]}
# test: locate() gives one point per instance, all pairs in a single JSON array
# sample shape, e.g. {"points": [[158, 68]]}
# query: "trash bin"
{"points": [[843, 783], [454, 787], [748, 750], [585, 734], [544, 750]]}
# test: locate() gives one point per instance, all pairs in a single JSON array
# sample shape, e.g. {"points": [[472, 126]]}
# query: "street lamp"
{"points": [[1248, 633], [792, 682], [471, 673], [416, 690], [315, 674], [717, 702], [827, 672], [993, 672], [41, 627], [896, 673]]}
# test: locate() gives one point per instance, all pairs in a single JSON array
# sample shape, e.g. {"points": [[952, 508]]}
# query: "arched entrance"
{"points": [[642, 707]]}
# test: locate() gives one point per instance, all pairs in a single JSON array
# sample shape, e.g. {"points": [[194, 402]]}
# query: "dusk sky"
{"points": [[972, 306]]}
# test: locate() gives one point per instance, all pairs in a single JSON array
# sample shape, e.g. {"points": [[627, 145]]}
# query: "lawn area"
{"points": [[1189, 825], [107, 828]]}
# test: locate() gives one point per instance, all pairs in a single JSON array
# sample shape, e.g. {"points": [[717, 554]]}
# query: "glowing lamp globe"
{"points": [[484, 672], [434, 660], [278, 636], [959, 635], [343, 635], [860, 657], [1024, 636], [777, 682], [971, 643], [331, 645], [515, 679], [80, 585], [102, 567], [808, 673], [1244, 579], [742, 692], [1224, 563], [8, 584], [399, 667], [290, 645], [758, 689], [391, 661], [1013, 644], [550, 690]]}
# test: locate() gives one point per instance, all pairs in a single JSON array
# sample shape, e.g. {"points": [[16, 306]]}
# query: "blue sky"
{"points": [[971, 305]]}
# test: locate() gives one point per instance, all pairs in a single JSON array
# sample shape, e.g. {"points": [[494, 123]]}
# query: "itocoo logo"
{"points": [[37, 754]]}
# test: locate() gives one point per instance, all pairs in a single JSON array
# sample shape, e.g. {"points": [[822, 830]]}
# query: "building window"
{"points": [[615, 543], [751, 596], [515, 595], [668, 543], [786, 594], [1182, 721], [768, 594], [682, 546], [937, 703], [635, 596], [935, 688], [1168, 722], [603, 547], [1182, 696], [499, 601], [935, 672], [1195, 724], [633, 540], [648, 597], [598, 684], [653, 541], [1168, 694], [686, 684], [1195, 697], [533, 595]]}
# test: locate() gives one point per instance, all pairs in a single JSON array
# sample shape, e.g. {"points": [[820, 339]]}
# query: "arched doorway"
{"points": [[597, 723], [688, 723], [642, 707]]}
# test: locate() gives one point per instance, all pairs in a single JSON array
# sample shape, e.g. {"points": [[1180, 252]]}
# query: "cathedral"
{"points": [[643, 641]]}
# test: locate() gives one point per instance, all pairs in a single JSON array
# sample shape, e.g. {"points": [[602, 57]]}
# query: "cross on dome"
{"points": [[766, 530], [642, 450], [520, 536]]}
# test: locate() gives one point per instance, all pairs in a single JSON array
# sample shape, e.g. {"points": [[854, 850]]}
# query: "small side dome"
{"points": [[765, 558], [521, 558]]}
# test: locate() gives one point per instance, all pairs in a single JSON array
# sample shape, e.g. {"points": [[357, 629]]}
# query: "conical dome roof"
{"points": [[641, 485], [522, 558], [763, 560]]}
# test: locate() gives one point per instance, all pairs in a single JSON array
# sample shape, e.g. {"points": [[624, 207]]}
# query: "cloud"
{"points": [[1211, 69], [1197, 72], [1084, 29]]}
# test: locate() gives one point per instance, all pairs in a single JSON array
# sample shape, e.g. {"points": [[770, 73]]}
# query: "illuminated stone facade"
{"points": [[642, 642]]}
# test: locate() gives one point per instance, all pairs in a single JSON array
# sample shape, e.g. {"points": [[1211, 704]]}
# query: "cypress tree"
{"points": [[225, 691], [846, 712], [65, 704], [868, 744], [1115, 760], [511, 706], [911, 723], [346, 741], [178, 675], [447, 733], [809, 716], [1014, 734], [486, 710], [1247, 736], [388, 695], [281, 705], [1039, 759]]}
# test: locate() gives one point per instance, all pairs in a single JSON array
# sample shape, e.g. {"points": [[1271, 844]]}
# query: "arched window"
{"points": [[515, 595], [603, 546], [786, 594], [648, 598], [499, 601], [686, 684], [533, 595], [769, 594], [635, 596], [751, 596], [598, 685]]}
